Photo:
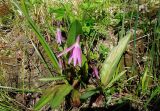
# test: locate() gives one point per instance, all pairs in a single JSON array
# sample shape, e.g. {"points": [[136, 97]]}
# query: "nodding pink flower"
{"points": [[59, 36], [76, 53], [95, 72]]}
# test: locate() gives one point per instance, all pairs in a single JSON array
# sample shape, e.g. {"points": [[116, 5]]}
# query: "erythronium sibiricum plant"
{"points": [[59, 36], [76, 53]]}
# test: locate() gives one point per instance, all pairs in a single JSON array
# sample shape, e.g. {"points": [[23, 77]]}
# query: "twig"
{"points": [[139, 38]]}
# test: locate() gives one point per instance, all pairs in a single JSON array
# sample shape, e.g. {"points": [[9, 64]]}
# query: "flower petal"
{"points": [[66, 50], [59, 36], [70, 58], [95, 73], [75, 56], [80, 57]]}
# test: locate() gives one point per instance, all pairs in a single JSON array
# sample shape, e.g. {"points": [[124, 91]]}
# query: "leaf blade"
{"points": [[60, 95], [110, 64], [46, 97], [74, 31], [89, 93]]}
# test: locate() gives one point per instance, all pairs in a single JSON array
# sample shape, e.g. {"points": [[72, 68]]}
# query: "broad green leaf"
{"points": [[44, 44], [74, 31], [89, 93], [110, 64], [46, 97], [60, 94]]}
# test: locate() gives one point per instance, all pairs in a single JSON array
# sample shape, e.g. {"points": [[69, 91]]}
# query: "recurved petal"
{"points": [[79, 57], [65, 51], [75, 56]]}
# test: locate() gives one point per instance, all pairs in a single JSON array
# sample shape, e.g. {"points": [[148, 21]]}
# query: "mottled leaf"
{"points": [[110, 64]]}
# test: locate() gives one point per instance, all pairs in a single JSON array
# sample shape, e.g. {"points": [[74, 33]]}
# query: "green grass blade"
{"points": [[134, 38], [110, 64], [46, 47], [39, 54], [144, 80], [16, 5], [52, 79], [116, 78], [154, 93], [4, 107], [18, 90]]}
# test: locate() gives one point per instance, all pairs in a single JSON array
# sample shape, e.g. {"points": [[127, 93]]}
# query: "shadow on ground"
{"points": [[123, 107]]}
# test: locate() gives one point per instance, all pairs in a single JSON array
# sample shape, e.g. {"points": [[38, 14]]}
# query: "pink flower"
{"points": [[76, 53], [59, 36], [95, 72]]}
